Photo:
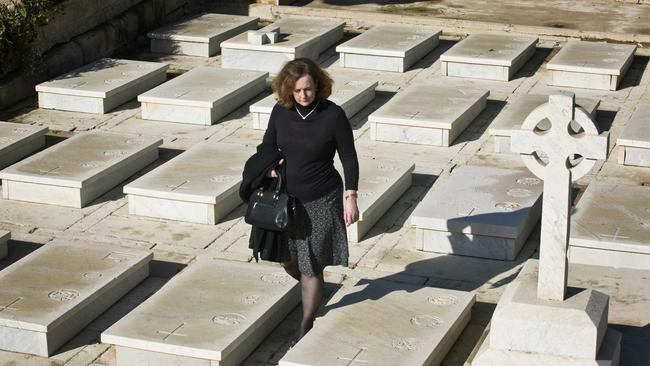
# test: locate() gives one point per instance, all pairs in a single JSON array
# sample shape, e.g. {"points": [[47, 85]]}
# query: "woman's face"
{"points": [[304, 92]]}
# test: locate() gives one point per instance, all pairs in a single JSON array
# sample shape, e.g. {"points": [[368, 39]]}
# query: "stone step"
{"points": [[387, 48], [200, 35], [634, 141], [427, 114], [18, 141], [591, 65], [4, 238], [202, 95], [377, 322], [488, 56], [480, 212], [52, 293], [381, 184], [299, 37], [101, 86], [214, 312], [78, 170], [201, 185], [516, 111], [349, 92], [611, 226]]}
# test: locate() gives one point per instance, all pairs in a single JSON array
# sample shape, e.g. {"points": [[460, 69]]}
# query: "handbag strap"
{"points": [[278, 182]]}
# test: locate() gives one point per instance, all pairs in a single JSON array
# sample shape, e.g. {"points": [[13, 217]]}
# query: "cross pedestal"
{"points": [[535, 323]]}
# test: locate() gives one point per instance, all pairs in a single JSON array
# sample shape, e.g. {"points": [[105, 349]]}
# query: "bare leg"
{"points": [[312, 293], [291, 267]]}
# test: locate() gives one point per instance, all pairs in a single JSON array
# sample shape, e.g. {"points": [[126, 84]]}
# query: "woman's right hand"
{"points": [[271, 173]]}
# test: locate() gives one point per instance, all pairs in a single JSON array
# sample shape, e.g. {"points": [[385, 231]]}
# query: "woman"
{"points": [[308, 129]]}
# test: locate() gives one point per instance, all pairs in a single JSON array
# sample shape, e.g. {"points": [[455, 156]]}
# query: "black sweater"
{"points": [[309, 146]]}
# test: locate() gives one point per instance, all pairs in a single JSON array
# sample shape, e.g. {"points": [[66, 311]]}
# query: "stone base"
{"points": [[634, 156], [584, 80], [125, 356], [201, 213], [387, 63], [168, 46], [4, 238], [608, 257], [490, 72]]}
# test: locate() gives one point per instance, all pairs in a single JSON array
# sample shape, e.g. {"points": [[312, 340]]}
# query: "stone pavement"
{"points": [[388, 250]]}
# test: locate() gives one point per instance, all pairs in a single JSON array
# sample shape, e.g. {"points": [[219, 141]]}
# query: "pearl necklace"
{"points": [[307, 115]]}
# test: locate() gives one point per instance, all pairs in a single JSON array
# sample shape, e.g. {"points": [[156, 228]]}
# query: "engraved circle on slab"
{"points": [[529, 181], [134, 141], [404, 43], [386, 167], [404, 344], [114, 81], [229, 319], [19, 131], [426, 321], [519, 192], [92, 275], [222, 178], [131, 73], [63, 295], [250, 299], [90, 164], [507, 206], [115, 153], [276, 278], [443, 300]]}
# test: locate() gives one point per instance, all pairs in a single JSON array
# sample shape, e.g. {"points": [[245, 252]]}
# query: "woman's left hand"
{"points": [[351, 211]]}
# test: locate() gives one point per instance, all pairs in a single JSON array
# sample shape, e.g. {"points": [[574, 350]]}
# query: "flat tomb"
{"points": [[215, 312], [76, 171], [296, 37], [381, 184], [516, 111], [101, 86], [201, 185], [591, 65], [202, 95], [18, 141], [611, 226], [52, 293], [351, 95], [4, 239], [480, 212], [378, 322], [488, 56], [387, 48], [634, 141], [427, 114], [199, 35]]}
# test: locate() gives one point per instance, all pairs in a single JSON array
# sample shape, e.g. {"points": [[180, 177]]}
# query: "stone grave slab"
{"points": [[377, 322], [516, 111], [4, 238], [299, 37], [480, 212], [634, 141], [351, 95], [201, 185], [591, 65], [381, 184], [199, 35], [101, 86], [488, 56], [18, 141], [611, 226], [76, 171], [388, 48], [238, 305], [51, 294], [427, 114], [202, 95]]}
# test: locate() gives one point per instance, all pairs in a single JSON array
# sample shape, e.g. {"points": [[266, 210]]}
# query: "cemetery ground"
{"points": [[386, 252]]}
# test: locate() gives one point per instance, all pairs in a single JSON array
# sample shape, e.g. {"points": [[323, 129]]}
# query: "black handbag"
{"points": [[270, 207]]}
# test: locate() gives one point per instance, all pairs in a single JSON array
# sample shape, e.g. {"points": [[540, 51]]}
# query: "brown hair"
{"points": [[285, 82]]}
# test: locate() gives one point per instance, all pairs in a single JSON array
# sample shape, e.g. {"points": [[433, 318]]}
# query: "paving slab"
{"points": [[388, 48], [100, 86], [591, 65], [379, 322], [199, 35], [240, 304], [51, 294], [202, 95], [4, 238], [18, 141], [201, 185], [75, 172], [611, 226], [349, 92], [634, 140], [488, 56], [479, 211], [427, 114], [298, 37], [517, 110]]}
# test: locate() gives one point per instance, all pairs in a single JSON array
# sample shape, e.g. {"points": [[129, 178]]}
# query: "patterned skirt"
{"points": [[318, 236]]}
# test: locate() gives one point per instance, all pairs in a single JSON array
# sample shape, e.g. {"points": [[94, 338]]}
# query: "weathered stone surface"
{"points": [[634, 141], [100, 86], [78, 170], [18, 141], [240, 304], [51, 294], [4, 238]]}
